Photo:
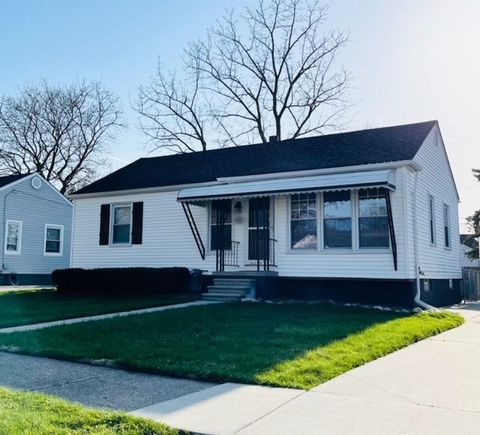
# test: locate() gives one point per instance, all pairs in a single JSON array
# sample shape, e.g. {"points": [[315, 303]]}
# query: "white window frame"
{"points": [[18, 251], [354, 223], [432, 224], [112, 220], [317, 208], [446, 223], [53, 254], [357, 222]]}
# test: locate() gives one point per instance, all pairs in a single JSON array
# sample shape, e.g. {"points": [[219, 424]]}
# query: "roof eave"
{"points": [[169, 188]]}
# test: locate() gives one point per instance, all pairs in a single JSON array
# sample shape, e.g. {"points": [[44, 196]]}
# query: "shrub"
{"points": [[123, 280]]}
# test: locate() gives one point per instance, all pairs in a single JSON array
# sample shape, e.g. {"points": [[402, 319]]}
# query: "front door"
{"points": [[259, 231]]}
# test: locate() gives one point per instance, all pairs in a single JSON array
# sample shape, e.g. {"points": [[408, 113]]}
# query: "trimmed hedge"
{"points": [[168, 280]]}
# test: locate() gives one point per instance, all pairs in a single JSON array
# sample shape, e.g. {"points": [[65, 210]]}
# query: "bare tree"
{"points": [[271, 71], [60, 132], [173, 114]]}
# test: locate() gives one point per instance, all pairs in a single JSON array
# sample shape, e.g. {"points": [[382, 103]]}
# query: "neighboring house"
{"points": [[467, 243], [368, 216], [36, 230]]}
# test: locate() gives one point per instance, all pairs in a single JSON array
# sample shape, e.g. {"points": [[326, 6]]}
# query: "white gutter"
{"points": [[418, 293], [339, 169]]}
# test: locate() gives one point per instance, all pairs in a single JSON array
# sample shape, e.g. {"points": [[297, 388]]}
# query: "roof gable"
{"points": [[379, 145]]}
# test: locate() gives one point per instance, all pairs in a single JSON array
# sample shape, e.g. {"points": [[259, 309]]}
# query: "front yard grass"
{"points": [[35, 306], [33, 413], [289, 345]]}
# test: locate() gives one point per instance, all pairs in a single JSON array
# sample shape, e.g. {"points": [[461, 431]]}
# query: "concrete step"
{"points": [[234, 282], [221, 297], [230, 290]]}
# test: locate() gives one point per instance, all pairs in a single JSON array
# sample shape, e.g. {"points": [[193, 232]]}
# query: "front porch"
{"points": [[268, 225]]}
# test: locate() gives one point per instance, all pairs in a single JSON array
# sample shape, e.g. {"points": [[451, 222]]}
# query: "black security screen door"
{"points": [[259, 230]]}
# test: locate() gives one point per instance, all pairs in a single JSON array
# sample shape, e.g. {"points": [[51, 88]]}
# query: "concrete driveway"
{"points": [[431, 387]]}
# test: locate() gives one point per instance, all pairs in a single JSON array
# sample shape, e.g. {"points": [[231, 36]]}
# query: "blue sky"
{"points": [[412, 60]]}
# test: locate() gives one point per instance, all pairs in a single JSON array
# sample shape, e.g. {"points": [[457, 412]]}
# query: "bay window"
{"points": [[337, 219], [303, 221], [372, 219]]}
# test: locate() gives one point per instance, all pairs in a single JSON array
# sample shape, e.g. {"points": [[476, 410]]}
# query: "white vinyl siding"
{"points": [[13, 237], [168, 240], [35, 208], [434, 179]]}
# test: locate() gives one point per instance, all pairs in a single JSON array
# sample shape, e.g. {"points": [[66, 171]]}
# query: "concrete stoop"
{"points": [[229, 289]]}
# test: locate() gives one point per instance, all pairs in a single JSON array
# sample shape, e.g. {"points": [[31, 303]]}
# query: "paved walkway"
{"points": [[17, 288], [102, 317], [431, 387], [92, 385]]}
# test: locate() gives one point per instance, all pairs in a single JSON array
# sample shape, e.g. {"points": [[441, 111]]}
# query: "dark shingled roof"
{"points": [[376, 145], [10, 179]]}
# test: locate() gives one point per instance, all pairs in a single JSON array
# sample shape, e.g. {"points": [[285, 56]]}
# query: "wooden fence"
{"points": [[471, 284]]}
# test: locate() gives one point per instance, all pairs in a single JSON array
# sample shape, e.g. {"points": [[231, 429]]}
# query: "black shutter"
{"points": [[137, 224], [104, 224]]}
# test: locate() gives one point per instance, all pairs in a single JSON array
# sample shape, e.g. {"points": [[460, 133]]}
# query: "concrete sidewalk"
{"points": [[103, 316], [431, 387], [95, 386]]}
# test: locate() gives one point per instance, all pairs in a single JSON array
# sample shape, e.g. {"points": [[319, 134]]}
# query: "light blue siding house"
{"points": [[35, 230]]}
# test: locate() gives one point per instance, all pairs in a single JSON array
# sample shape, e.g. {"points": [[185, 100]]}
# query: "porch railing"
{"points": [[227, 257], [265, 253]]}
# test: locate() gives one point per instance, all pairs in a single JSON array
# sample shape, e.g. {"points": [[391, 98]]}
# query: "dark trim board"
{"points": [[26, 279], [441, 292], [386, 292], [395, 293]]}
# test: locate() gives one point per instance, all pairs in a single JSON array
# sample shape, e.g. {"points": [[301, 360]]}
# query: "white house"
{"points": [[35, 231], [368, 216]]}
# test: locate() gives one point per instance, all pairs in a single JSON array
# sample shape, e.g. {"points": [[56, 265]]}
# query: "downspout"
{"points": [[418, 293]]}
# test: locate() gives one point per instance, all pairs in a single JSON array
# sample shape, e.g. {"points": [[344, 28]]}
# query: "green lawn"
{"points": [[33, 413], [290, 345], [34, 306]]}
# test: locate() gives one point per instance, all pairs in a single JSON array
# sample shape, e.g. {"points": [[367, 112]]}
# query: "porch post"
{"points": [[391, 228]]}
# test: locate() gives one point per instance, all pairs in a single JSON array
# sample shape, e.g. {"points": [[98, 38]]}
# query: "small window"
{"points": [[426, 285], [303, 221], [431, 217], [450, 284], [221, 224], [373, 219], [53, 239], [446, 224], [121, 224], [13, 239], [337, 219]]}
